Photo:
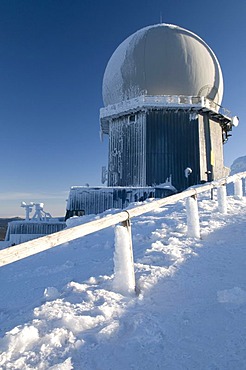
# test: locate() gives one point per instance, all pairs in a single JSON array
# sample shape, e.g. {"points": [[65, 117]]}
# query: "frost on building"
{"points": [[39, 224], [85, 200], [162, 91]]}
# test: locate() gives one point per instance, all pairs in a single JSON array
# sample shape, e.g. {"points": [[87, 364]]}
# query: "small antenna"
{"points": [[160, 17]]}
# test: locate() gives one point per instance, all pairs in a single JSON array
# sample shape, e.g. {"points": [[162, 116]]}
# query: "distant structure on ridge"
{"points": [[41, 223], [162, 91]]}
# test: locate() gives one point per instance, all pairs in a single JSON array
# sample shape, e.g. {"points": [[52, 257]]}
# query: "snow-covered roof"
{"points": [[192, 104]]}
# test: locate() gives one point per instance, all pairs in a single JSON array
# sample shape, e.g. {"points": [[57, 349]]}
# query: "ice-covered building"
{"points": [[84, 200], [162, 91], [41, 223]]}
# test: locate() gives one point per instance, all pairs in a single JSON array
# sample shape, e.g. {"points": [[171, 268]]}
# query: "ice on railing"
{"points": [[221, 198], [161, 101], [124, 278], [193, 225], [238, 189]]}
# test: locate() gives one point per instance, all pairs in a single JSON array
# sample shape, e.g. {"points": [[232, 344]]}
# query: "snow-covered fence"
{"points": [[18, 252]]}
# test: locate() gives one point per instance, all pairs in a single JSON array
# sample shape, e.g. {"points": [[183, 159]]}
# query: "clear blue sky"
{"points": [[52, 58]]}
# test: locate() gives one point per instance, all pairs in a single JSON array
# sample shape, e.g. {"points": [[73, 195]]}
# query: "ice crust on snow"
{"points": [[190, 312], [235, 295], [51, 293]]}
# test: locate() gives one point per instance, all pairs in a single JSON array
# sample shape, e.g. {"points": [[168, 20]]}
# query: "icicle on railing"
{"points": [[193, 225], [124, 275], [221, 199], [238, 189]]}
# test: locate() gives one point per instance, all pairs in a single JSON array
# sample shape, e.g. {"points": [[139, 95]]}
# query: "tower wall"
{"points": [[204, 148], [211, 149], [172, 146], [127, 147], [217, 155], [146, 147]]}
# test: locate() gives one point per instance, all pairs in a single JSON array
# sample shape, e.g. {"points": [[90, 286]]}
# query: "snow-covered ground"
{"points": [[239, 165], [60, 309]]}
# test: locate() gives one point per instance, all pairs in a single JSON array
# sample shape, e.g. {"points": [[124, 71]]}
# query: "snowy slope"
{"points": [[59, 309], [239, 165]]}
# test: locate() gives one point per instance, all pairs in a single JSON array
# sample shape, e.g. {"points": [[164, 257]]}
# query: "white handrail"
{"points": [[20, 251]]}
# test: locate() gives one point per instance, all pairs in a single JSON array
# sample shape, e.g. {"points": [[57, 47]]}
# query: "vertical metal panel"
{"points": [[127, 151], [172, 146], [203, 149], [34, 228], [207, 134], [217, 149], [145, 148], [213, 153], [96, 200]]}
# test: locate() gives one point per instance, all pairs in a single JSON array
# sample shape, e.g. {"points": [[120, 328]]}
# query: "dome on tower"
{"points": [[162, 60]]}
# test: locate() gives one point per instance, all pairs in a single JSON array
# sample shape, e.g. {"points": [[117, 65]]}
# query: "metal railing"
{"points": [[176, 101], [18, 252]]}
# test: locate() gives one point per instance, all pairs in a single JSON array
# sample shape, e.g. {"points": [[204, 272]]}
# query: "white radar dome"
{"points": [[162, 60]]}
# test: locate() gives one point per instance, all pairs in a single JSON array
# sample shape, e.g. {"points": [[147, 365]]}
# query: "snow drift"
{"points": [[60, 309]]}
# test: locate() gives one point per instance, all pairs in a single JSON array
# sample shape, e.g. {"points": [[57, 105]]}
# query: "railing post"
{"points": [[124, 275], [221, 199], [193, 225], [238, 189]]}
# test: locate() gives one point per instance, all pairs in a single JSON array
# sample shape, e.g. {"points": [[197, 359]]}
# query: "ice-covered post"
{"points": [[221, 199], [28, 208], [238, 189], [124, 276], [193, 226]]}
